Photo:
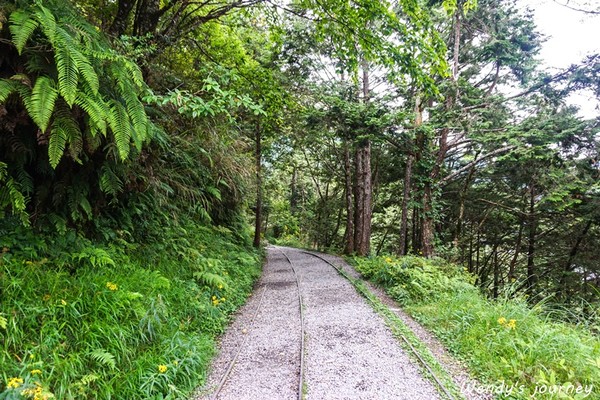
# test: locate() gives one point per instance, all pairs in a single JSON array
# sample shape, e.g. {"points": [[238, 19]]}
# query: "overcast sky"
{"points": [[571, 36]]}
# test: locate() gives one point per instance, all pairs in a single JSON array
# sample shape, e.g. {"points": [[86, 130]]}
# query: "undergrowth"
{"points": [[116, 319], [516, 349]]}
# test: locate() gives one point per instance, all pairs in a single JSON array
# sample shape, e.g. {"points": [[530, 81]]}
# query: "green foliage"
{"points": [[501, 341], [412, 279], [77, 90], [80, 56], [119, 319]]}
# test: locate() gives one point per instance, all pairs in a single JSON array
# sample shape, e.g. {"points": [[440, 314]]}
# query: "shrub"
{"points": [[503, 341], [81, 319]]}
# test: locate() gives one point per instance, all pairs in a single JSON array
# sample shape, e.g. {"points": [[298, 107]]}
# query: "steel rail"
{"points": [[232, 362], [410, 346]]}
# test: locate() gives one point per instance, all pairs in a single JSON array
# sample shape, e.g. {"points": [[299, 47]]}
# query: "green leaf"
{"points": [[68, 73], [96, 109], [22, 26], [58, 141], [7, 87], [121, 127], [43, 97], [104, 357]]}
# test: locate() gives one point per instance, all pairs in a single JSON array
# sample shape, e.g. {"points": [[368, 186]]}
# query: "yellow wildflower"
{"points": [[36, 393], [111, 286], [502, 321], [388, 260], [220, 286], [63, 302], [35, 371], [14, 383], [222, 298], [215, 302], [162, 368], [175, 362], [512, 324]]}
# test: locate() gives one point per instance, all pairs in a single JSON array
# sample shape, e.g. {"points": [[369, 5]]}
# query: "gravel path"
{"points": [[470, 388], [267, 366], [349, 353]]}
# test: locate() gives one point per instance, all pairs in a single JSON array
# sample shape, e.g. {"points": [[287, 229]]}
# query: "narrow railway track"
{"points": [[302, 350], [425, 365], [233, 361]]}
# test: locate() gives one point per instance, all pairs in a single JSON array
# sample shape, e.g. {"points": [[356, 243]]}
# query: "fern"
{"points": [[121, 127], [22, 26], [109, 181], [7, 87], [47, 21], [210, 279], [68, 75], [97, 257], [96, 109], [11, 195], [87, 379], [136, 112], [43, 97], [103, 357], [58, 141]]}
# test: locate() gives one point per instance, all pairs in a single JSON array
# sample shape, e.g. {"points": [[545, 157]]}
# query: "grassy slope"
{"points": [[506, 343], [116, 320]]}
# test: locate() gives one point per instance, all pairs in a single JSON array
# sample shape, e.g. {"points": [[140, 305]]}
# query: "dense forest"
{"points": [[144, 143]]}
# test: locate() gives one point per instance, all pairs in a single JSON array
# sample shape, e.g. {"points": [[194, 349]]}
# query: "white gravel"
{"points": [[350, 353]]}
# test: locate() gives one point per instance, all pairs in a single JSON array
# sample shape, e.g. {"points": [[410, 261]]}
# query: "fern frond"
{"points": [[47, 21], [110, 182], [134, 72], [63, 128], [104, 357], [87, 379], [68, 73], [57, 143], [75, 141], [22, 176], [96, 109], [86, 70], [43, 97], [7, 87], [136, 112], [22, 26], [121, 127], [210, 279]]}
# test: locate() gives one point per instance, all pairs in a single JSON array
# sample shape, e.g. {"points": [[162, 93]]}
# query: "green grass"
{"points": [[530, 354], [117, 320]]}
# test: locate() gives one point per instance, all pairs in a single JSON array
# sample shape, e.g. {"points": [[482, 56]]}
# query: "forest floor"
{"points": [[307, 333]]}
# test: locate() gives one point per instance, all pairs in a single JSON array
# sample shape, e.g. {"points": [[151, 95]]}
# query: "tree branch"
{"points": [[501, 150]]}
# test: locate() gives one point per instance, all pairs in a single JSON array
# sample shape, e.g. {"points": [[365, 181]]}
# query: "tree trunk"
{"points": [[294, 192], [358, 197], [146, 17], [119, 24], [513, 262], [428, 230], [572, 254], [349, 232], [531, 271], [408, 184], [363, 191], [258, 213], [496, 274]]}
